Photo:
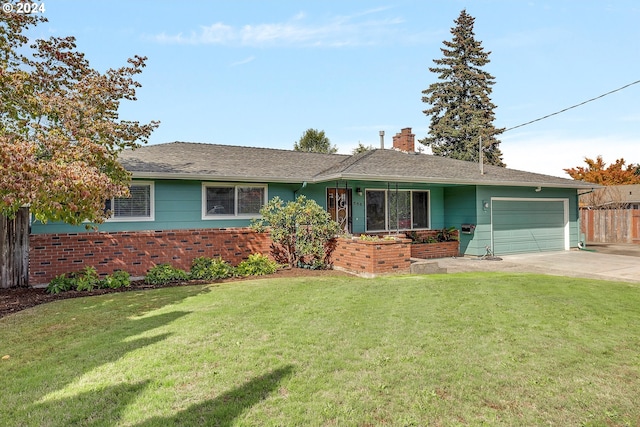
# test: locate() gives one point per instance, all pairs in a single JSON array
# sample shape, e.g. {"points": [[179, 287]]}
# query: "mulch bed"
{"points": [[13, 300]]}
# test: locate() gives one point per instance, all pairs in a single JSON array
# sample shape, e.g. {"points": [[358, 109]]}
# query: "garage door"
{"points": [[520, 226]]}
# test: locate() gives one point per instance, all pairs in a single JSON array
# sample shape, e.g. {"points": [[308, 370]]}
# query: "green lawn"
{"points": [[469, 349]]}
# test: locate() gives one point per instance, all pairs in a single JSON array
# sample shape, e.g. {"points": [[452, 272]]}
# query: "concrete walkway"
{"points": [[574, 263]]}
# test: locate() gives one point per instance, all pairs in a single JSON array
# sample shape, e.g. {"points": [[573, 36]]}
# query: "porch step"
{"points": [[427, 267]]}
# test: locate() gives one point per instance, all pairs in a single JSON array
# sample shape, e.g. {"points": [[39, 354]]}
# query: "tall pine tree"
{"points": [[461, 110]]}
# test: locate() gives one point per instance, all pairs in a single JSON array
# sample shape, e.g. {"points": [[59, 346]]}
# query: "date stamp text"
{"points": [[23, 8]]}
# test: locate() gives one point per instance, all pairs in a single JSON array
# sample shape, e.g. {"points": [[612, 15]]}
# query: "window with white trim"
{"points": [[233, 200], [397, 210], [138, 207]]}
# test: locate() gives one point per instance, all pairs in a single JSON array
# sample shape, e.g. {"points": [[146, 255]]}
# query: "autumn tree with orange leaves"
{"points": [[60, 134], [597, 172]]}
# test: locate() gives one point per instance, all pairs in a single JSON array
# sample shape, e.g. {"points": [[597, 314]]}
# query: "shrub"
{"points": [[86, 279], [375, 237], [257, 265], [116, 280], [203, 268], [60, 283], [443, 235], [301, 230], [447, 235], [162, 274]]}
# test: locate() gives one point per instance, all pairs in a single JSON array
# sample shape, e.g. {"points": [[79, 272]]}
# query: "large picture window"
{"points": [[138, 207], [397, 210], [228, 200]]}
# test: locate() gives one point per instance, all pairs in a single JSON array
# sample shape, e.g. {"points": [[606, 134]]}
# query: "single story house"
{"points": [[192, 189]]}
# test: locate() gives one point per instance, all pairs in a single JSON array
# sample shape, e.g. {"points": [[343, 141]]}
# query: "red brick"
{"points": [[137, 252]]}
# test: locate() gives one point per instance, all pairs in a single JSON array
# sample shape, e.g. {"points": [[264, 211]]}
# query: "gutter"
{"points": [[433, 180], [207, 177], [361, 177]]}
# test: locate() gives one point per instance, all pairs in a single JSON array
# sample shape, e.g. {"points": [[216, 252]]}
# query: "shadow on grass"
{"points": [[51, 352], [96, 407], [223, 410]]}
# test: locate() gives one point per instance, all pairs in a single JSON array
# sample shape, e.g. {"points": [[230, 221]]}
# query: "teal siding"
{"points": [[178, 206], [465, 204], [460, 207], [528, 226]]}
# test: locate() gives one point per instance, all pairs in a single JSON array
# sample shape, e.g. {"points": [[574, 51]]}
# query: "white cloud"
{"points": [[334, 32], [243, 61]]}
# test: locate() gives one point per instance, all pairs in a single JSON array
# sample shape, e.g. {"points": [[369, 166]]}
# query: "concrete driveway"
{"points": [[615, 262]]}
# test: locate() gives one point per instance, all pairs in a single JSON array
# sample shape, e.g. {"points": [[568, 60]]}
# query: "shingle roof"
{"points": [[235, 163], [188, 160], [392, 165]]}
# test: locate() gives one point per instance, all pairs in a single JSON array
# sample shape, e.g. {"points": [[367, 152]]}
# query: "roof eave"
{"points": [[211, 177], [434, 180], [358, 177]]}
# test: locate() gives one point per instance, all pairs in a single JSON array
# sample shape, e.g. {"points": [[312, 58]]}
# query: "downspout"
{"points": [[304, 184]]}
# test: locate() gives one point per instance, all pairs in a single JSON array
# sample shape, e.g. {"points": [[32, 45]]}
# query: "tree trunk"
{"points": [[14, 250]]}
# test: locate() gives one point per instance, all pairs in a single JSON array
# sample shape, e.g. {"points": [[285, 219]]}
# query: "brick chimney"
{"points": [[404, 141]]}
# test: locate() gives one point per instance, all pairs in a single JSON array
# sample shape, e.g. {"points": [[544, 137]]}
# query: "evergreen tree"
{"points": [[315, 141], [461, 111], [361, 148]]}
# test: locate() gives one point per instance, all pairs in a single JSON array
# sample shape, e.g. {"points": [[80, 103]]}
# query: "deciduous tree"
{"points": [[60, 134], [461, 110], [597, 171], [315, 141]]}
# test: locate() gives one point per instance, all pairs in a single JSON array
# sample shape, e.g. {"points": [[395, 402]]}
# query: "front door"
{"points": [[339, 206]]}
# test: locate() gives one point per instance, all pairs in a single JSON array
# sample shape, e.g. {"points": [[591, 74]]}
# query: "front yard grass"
{"points": [[464, 349]]}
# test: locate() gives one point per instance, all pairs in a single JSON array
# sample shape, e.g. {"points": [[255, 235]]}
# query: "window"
{"points": [[224, 200], [397, 210], [138, 207]]}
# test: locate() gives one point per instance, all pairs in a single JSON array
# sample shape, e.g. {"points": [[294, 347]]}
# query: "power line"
{"points": [[573, 106]]}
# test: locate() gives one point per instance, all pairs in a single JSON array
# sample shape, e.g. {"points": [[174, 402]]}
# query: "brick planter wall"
{"points": [[136, 252], [372, 257], [435, 250]]}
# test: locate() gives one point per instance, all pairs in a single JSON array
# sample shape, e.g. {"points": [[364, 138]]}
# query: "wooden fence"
{"points": [[610, 225]]}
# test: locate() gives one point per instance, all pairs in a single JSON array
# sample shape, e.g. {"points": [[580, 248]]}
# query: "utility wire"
{"points": [[573, 106]]}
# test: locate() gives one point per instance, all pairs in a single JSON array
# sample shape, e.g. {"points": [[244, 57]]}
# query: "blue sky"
{"points": [[259, 73]]}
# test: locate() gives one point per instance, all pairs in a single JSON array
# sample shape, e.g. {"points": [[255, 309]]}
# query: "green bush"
{"points": [[257, 265], [86, 279], [162, 274], [303, 232], [116, 280], [60, 283], [203, 268]]}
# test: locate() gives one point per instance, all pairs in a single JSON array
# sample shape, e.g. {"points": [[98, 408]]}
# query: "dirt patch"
{"points": [[628, 249], [16, 299]]}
